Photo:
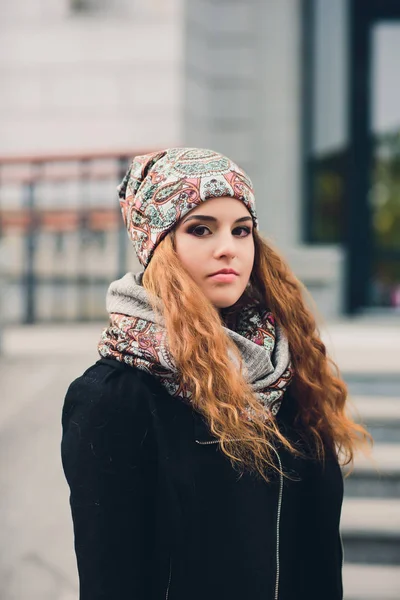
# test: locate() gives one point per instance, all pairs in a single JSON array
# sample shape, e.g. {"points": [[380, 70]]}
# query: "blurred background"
{"points": [[305, 96]]}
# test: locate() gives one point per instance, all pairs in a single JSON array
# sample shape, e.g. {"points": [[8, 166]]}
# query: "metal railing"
{"points": [[54, 212]]}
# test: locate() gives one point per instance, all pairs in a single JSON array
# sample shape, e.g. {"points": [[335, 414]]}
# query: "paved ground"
{"points": [[38, 363], [36, 550]]}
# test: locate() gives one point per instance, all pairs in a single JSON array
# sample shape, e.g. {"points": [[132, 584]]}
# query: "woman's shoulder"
{"points": [[112, 375], [106, 388], [107, 433]]}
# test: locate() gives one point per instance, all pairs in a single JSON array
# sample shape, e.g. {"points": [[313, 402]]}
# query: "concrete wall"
{"points": [[242, 97], [76, 81]]}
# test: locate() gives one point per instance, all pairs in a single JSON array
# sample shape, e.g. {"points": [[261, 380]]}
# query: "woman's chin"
{"points": [[224, 300]]}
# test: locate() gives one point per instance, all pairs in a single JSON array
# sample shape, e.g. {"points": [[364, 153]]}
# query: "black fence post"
{"points": [[307, 114], [359, 238], [122, 258], [30, 251], [84, 236]]}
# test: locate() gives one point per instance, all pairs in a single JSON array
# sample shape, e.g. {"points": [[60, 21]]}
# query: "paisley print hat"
{"points": [[162, 187]]}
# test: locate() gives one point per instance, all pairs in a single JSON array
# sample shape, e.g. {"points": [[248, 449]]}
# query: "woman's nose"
{"points": [[225, 247]]}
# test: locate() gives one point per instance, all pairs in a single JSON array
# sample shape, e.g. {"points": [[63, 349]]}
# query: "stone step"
{"points": [[385, 458], [371, 582], [378, 476], [378, 407], [370, 530], [381, 475], [388, 432], [373, 384], [377, 410]]}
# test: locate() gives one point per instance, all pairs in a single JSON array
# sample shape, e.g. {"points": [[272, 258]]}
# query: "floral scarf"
{"points": [[136, 336]]}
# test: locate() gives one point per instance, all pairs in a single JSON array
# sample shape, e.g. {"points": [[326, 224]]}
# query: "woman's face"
{"points": [[213, 236]]}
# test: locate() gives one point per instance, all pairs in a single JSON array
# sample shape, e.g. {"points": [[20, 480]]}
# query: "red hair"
{"points": [[201, 349]]}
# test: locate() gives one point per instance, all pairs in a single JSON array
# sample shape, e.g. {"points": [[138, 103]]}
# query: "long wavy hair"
{"points": [[201, 350]]}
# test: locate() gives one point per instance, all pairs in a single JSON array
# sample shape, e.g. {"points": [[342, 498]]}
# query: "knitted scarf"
{"points": [[136, 335]]}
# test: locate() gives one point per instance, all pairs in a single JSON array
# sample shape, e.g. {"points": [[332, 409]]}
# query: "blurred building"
{"points": [[87, 75], [84, 85], [306, 96], [303, 94]]}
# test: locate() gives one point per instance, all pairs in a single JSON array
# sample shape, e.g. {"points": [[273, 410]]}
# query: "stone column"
{"points": [[242, 98]]}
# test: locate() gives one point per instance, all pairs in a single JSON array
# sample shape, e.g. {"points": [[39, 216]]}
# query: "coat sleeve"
{"points": [[108, 458]]}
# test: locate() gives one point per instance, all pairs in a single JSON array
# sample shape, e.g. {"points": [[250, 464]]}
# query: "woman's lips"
{"points": [[224, 277]]}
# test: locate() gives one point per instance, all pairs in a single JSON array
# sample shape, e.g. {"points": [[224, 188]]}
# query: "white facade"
{"points": [[95, 80]]}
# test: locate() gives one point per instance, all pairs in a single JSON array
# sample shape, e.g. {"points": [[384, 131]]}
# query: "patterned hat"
{"points": [[162, 187]]}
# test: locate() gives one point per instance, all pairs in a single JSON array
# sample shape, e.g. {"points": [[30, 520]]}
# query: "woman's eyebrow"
{"points": [[209, 218]]}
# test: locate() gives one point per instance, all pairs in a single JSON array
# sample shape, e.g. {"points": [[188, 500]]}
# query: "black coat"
{"points": [[160, 514]]}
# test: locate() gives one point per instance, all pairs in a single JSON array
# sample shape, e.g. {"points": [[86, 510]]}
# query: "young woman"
{"points": [[203, 449]]}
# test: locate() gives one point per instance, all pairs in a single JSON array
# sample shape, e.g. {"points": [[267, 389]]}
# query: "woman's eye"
{"points": [[196, 230], [246, 231]]}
